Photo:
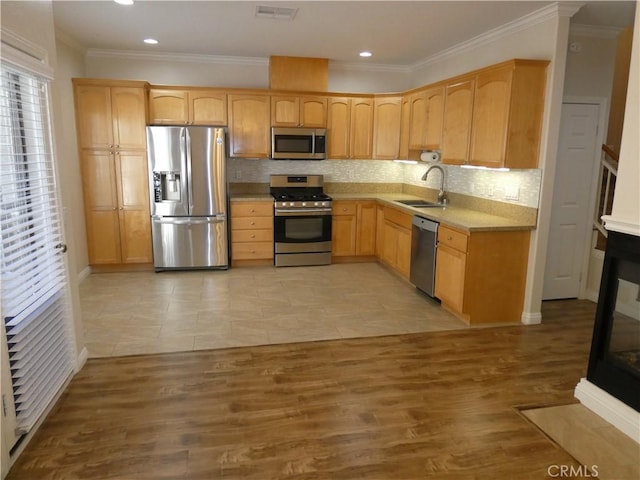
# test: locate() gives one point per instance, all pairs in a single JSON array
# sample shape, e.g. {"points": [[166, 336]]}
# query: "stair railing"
{"points": [[606, 186]]}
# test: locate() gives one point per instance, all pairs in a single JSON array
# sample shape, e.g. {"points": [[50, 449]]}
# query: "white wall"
{"points": [[590, 71], [70, 65], [533, 37], [212, 71]]}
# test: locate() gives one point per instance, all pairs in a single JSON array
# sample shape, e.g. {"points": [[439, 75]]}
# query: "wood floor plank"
{"points": [[413, 406]]}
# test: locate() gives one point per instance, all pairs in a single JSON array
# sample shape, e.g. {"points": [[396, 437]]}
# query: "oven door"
{"points": [[302, 232]]}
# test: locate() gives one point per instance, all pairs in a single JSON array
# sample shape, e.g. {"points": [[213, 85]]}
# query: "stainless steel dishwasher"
{"points": [[423, 254]]}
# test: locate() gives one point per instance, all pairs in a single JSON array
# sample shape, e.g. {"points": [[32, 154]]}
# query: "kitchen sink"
{"points": [[420, 203]]}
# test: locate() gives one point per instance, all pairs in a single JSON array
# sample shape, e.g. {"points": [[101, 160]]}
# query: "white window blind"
{"points": [[34, 300]]}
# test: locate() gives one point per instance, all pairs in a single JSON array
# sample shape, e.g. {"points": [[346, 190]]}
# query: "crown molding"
{"points": [[595, 31], [177, 57], [558, 9], [370, 67]]}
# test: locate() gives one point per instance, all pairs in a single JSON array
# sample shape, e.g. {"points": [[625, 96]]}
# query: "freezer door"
{"points": [[182, 243], [167, 157], [207, 170]]}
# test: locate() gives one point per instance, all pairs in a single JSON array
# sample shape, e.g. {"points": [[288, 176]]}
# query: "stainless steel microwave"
{"points": [[298, 143]]}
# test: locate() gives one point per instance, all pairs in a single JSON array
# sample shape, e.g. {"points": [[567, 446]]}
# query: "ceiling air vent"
{"points": [[275, 13]]}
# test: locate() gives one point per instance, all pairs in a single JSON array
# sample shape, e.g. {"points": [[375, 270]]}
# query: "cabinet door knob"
{"points": [[253, 236], [253, 223]]}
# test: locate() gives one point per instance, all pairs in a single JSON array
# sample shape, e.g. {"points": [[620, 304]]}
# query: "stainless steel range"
{"points": [[302, 220]]}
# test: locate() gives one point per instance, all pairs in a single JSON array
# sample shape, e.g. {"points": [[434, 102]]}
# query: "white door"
{"points": [[570, 217]]}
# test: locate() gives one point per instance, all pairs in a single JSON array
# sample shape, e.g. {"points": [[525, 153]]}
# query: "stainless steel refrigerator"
{"points": [[188, 188]]}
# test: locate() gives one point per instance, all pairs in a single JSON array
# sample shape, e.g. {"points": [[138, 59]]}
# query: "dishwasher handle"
{"points": [[425, 224]]}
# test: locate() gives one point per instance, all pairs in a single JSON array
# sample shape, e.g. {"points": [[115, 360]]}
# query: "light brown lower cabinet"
{"points": [[353, 228], [395, 250], [481, 276], [116, 200], [252, 233]]}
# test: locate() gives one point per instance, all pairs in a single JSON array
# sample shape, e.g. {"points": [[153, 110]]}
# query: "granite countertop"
{"points": [[465, 219]]}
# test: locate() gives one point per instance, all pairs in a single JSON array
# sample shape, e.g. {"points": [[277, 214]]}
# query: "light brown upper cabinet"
{"points": [[296, 111], [417, 120], [434, 101], [110, 116], [187, 107], [249, 129], [456, 134], [387, 117], [507, 115], [405, 126], [350, 127]]}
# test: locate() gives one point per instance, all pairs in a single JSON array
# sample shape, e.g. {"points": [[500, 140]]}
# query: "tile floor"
{"points": [[147, 312]]}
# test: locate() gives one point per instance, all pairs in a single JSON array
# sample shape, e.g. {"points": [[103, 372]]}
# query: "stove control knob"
{"points": [[304, 204], [317, 204]]}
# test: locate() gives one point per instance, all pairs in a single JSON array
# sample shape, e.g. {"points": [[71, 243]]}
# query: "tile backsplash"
{"points": [[519, 187]]}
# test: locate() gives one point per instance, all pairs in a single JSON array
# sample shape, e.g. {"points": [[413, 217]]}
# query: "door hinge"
{"points": [[4, 405]]}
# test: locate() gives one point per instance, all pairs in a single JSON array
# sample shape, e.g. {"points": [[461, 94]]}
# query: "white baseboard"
{"points": [[84, 274], [82, 359], [531, 318], [617, 413]]}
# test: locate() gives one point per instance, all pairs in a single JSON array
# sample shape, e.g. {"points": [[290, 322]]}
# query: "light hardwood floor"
{"points": [[146, 312], [408, 406]]}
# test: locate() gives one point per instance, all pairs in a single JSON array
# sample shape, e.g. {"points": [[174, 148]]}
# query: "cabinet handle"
{"points": [[252, 210], [449, 238], [252, 223], [253, 236]]}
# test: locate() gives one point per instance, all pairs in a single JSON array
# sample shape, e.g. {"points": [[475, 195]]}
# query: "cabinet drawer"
{"points": [[251, 223], [344, 208], [248, 209], [252, 250], [257, 235], [397, 217], [452, 238]]}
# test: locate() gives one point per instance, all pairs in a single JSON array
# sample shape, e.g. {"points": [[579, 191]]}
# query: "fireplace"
{"points": [[614, 361]]}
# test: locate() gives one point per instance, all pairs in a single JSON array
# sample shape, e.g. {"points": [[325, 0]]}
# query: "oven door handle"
{"points": [[302, 212]]}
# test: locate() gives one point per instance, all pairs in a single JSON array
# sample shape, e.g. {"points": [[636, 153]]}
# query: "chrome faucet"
{"points": [[442, 195]]}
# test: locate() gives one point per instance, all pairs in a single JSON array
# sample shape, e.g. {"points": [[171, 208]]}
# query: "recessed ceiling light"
{"points": [[150, 41], [124, 2], [365, 54]]}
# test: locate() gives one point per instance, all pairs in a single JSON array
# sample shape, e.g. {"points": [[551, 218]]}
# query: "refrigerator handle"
{"points": [[187, 143], [188, 220]]}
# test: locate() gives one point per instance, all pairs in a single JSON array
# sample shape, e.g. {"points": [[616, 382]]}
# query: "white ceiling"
{"points": [[397, 32]]}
